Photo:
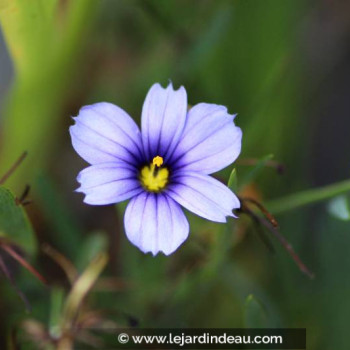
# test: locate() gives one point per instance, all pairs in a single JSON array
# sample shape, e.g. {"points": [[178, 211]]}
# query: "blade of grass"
{"points": [[301, 199]]}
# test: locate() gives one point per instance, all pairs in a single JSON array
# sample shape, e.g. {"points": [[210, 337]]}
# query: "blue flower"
{"points": [[161, 168]]}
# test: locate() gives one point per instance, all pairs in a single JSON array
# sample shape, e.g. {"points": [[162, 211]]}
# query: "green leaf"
{"points": [[67, 232], [93, 245], [339, 208], [203, 49], [14, 223], [81, 288], [28, 25], [232, 181], [253, 173], [254, 313], [307, 197], [56, 307], [45, 40]]}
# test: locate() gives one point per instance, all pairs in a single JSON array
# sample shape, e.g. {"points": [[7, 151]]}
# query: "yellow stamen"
{"points": [[158, 161], [152, 177]]}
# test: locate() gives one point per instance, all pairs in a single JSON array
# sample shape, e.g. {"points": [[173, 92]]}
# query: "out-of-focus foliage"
{"points": [[254, 313], [283, 66], [14, 224], [232, 181], [44, 38]]}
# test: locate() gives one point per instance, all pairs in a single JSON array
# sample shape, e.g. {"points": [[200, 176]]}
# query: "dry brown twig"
{"points": [[271, 224]]}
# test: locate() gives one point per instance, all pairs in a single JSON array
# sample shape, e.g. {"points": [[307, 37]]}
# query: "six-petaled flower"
{"points": [[164, 166]]}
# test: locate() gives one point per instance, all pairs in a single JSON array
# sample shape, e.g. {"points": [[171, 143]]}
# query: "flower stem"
{"points": [[13, 168], [303, 198]]}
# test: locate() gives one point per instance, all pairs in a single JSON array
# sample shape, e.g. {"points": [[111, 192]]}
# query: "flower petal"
{"points": [[105, 133], [155, 223], [210, 140], [203, 195], [163, 120], [108, 183]]}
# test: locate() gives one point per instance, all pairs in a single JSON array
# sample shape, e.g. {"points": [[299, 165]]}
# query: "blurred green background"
{"points": [[283, 66]]}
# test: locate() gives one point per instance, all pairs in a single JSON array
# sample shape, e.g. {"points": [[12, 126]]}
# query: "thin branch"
{"points": [[280, 168], [13, 168], [8, 274], [25, 193], [26, 202], [22, 200], [287, 246], [65, 264], [266, 213], [23, 262], [261, 234]]}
